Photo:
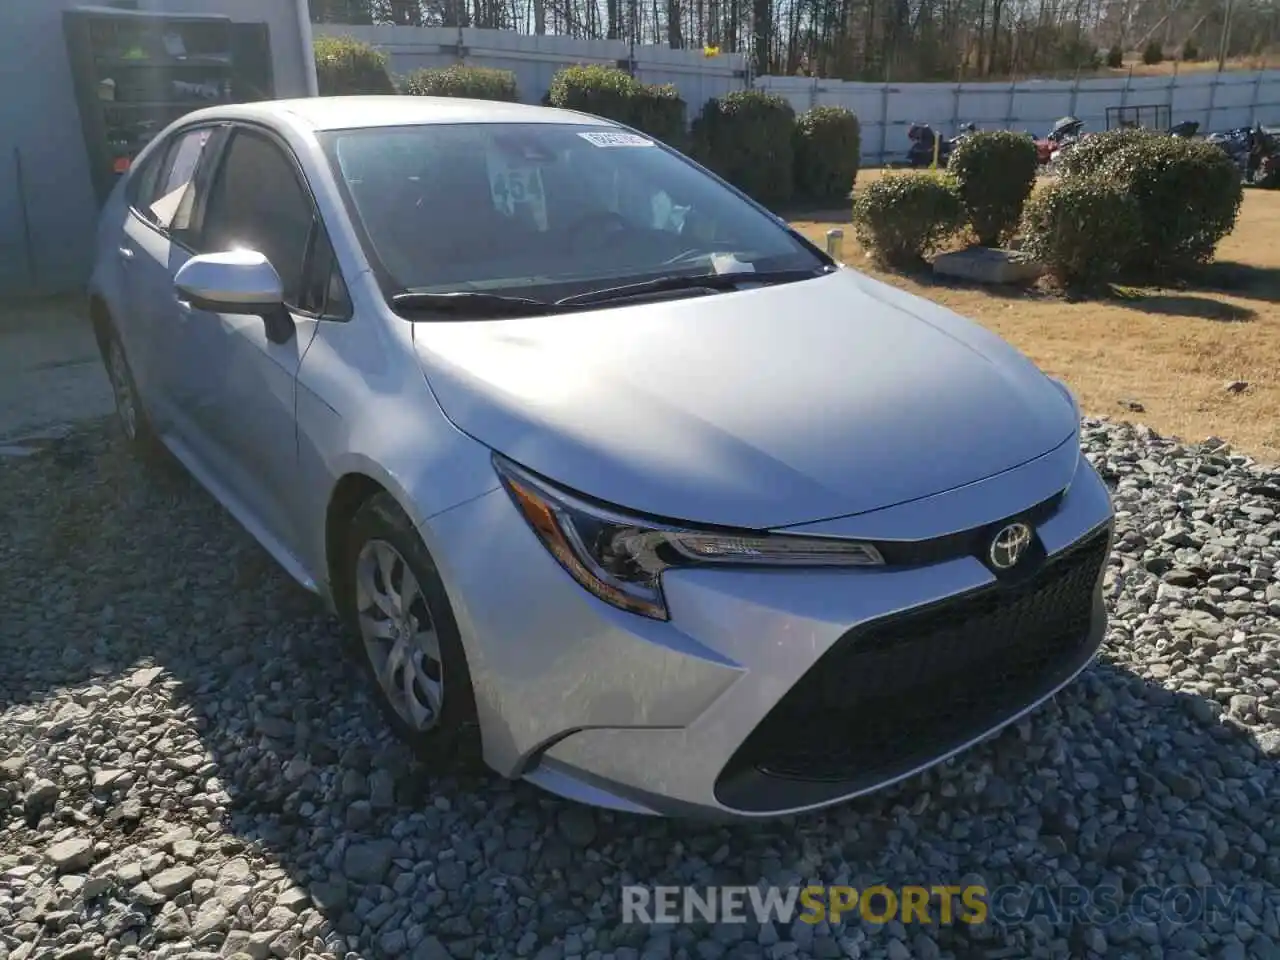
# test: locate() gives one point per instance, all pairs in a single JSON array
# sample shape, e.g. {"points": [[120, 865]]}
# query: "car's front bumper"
{"points": [[769, 691]]}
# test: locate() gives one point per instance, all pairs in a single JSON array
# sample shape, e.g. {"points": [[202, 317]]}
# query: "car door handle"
{"points": [[126, 252]]}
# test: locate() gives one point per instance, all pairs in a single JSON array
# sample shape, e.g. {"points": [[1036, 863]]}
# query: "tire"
{"points": [[418, 672], [130, 414]]}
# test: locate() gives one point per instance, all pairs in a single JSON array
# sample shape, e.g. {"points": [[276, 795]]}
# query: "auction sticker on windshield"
{"points": [[516, 186], [616, 139]]}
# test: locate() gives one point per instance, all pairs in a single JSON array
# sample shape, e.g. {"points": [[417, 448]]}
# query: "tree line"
{"points": [[904, 40]]}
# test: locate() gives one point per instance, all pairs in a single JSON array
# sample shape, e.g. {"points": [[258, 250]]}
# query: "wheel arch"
{"points": [[352, 491], [101, 320]]}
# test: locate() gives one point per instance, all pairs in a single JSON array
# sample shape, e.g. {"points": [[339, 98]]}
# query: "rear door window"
{"points": [[175, 199], [167, 191]]}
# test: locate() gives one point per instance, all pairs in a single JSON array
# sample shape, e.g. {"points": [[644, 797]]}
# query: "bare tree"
{"points": [[867, 39]]}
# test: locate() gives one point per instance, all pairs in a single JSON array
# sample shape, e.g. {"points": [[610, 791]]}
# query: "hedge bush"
{"points": [[479, 83], [1115, 58], [347, 66], [1153, 53], [747, 137], [659, 111], [603, 91], [828, 144], [616, 95], [1087, 155], [995, 171], [1084, 229], [902, 217], [1188, 193]]}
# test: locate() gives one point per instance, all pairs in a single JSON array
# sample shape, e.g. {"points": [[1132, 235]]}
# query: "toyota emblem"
{"points": [[1009, 546]]}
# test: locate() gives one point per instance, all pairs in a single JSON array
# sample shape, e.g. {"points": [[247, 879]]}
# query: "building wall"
{"points": [[46, 199], [290, 53], [48, 211]]}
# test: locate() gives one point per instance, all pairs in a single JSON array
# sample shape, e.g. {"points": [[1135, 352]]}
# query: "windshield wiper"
{"points": [[473, 303], [701, 281]]}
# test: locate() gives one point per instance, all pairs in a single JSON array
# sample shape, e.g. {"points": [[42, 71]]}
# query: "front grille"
{"points": [[972, 542], [893, 694]]}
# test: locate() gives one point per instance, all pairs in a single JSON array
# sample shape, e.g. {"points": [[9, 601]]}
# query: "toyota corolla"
{"points": [[616, 480]]}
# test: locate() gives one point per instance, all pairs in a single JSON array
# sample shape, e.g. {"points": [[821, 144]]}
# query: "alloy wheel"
{"points": [[399, 637]]}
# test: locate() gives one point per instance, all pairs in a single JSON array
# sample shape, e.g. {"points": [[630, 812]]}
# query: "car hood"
{"points": [[757, 409]]}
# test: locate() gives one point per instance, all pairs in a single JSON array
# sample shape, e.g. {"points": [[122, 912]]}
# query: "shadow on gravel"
{"points": [[170, 696]]}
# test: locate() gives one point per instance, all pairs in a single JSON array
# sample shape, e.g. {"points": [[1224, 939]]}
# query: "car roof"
{"points": [[346, 113]]}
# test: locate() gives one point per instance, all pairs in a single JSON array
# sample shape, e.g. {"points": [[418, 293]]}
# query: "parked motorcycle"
{"points": [[923, 137], [1063, 133], [1267, 174], [1255, 151], [923, 140], [1234, 143]]}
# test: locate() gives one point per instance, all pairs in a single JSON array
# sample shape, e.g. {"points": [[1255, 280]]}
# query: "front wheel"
{"points": [[403, 631]]}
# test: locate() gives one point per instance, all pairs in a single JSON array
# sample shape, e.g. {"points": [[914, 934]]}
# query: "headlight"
{"points": [[621, 559]]}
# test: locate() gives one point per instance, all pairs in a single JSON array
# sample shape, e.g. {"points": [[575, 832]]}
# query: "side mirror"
{"points": [[240, 282]]}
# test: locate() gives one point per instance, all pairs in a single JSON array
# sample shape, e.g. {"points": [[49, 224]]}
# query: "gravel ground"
{"points": [[185, 770]]}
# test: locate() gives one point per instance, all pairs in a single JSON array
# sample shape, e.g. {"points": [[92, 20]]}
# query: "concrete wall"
{"points": [[47, 208], [1217, 101], [535, 60]]}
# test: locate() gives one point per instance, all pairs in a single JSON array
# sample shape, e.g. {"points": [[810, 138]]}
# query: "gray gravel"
{"points": [[185, 770]]}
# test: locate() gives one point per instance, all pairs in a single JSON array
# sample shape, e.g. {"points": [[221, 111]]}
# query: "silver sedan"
{"points": [[617, 481]]}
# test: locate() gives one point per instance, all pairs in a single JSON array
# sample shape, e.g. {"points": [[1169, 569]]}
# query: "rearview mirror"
{"points": [[238, 282]]}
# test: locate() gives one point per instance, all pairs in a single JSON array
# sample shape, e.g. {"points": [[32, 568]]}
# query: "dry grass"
{"points": [[1167, 67], [1171, 351], [1133, 65]]}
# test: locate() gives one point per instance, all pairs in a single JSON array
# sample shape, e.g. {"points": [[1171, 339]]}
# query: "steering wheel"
{"points": [[605, 222]]}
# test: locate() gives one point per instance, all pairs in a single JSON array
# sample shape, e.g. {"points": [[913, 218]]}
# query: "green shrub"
{"points": [[1088, 154], [1188, 193], [747, 137], [616, 95], [1084, 229], [479, 83], [1115, 57], [1189, 50], [1153, 52], [603, 91], [346, 66], [659, 112], [995, 171], [902, 217], [827, 152]]}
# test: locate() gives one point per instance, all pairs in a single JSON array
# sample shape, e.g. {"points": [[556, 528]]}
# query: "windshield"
{"points": [[545, 210]]}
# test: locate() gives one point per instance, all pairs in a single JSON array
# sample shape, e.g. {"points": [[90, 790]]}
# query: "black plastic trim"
{"points": [[751, 782]]}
